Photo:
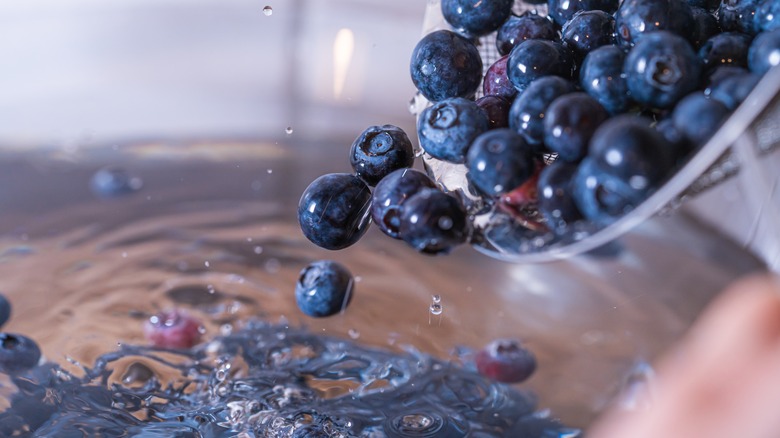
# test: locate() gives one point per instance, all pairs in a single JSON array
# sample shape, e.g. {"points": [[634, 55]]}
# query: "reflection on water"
{"points": [[217, 236]]}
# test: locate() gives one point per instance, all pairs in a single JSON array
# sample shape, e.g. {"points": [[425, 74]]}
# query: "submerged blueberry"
{"points": [[433, 222], [172, 329], [698, 117], [324, 288], [601, 76], [380, 150], [498, 161], [17, 353], [764, 52], [476, 18], [447, 128], [445, 64], [528, 26], [391, 193], [333, 210], [533, 59], [505, 360], [570, 123], [5, 310], [661, 69], [637, 18], [526, 115], [111, 182]]}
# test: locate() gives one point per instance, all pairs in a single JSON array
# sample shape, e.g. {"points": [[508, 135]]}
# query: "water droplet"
{"points": [[267, 11], [436, 309], [436, 298], [354, 334], [289, 130], [208, 265], [258, 249], [358, 279], [270, 171]]}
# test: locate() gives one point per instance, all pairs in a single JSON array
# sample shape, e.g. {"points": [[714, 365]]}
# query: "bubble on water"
{"points": [[288, 130], [354, 334], [436, 298], [268, 11], [436, 309]]}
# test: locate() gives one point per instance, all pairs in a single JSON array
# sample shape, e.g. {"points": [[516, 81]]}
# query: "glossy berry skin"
{"points": [[728, 48], [18, 353], [603, 197], [715, 76], [380, 150], [698, 117], [445, 64], [637, 18], [738, 16], [562, 11], [324, 288], [496, 109], [433, 222], [496, 82], [112, 182], [626, 146], [498, 161], [588, 30], [476, 18], [764, 52], [601, 76], [767, 16], [5, 310], [705, 27], [526, 115], [555, 200], [391, 193], [533, 59], [733, 90], [447, 128], [506, 361], [333, 210], [528, 26], [661, 69], [172, 329], [570, 123]]}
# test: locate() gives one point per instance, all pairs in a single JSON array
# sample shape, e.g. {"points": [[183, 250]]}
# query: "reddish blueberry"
{"points": [[496, 82], [496, 109], [172, 329], [506, 360]]}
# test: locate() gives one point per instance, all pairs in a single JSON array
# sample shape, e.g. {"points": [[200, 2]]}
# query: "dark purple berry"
{"points": [[588, 30], [496, 109], [528, 26], [496, 82], [391, 193], [433, 222], [173, 329], [324, 288], [380, 150]]}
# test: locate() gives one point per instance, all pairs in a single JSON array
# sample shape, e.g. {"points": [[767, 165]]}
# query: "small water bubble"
{"points": [[258, 249], [288, 130], [208, 265], [268, 11], [436, 309], [436, 298], [270, 171], [358, 279], [354, 334]]}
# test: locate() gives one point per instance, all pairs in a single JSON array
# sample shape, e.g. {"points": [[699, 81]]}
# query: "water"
{"points": [[85, 273]]}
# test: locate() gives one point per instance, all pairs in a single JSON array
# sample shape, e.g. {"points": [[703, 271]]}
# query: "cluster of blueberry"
{"points": [[619, 93], [17, 352]]}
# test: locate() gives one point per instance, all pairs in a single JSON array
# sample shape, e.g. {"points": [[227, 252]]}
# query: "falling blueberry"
{"points": [[506, 360], [433, 222], [380, 150], [172, 329], [324, 288], [17, 353], [391, 193]]}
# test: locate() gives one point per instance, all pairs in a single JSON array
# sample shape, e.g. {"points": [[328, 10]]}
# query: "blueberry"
{"points": [[738, 15], [705, 26], [733, 90], [562, 11], [333, 210], [675, 137], [764, 52], [570, 123], [719, 74], [728, 48], [17, 353], [528, 26], [505, 360], [445, 64], [636, 18], [380, 150], [526, 115], [601, 76], [533, 59], [628, 147], [447, 128], [706, 5], [111, 182], [698, 117], [173, 329], [767, 16], [391, 193], [496, 109], [588, 30], [498, 161], [555, 200], [661, 69], [603, 197], [433, 222], [476, 18], [496, 82], [324, 288], [5, 310]]}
